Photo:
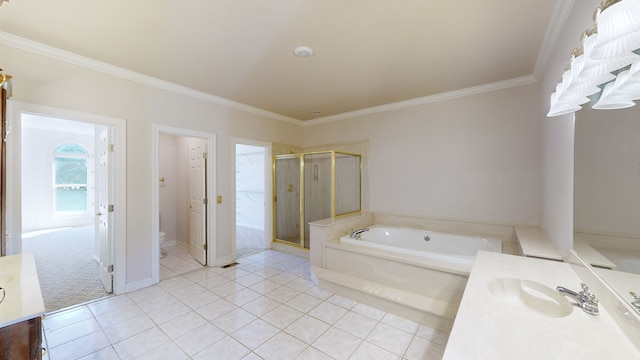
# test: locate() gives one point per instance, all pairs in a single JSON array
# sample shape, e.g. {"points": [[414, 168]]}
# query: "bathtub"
{"points": [[396, 269], [458, 250]]}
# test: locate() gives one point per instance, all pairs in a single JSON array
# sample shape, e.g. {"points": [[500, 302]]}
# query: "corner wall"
{"points": [[557, 142], [471, 158]]}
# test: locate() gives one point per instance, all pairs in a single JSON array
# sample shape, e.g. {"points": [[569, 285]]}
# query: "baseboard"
{"points": [[138, 285]]}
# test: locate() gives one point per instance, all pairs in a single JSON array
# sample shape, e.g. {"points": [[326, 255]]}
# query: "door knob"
{"points": [[99, 214]]}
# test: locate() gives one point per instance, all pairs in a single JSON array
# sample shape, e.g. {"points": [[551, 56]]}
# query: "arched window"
{"points": [[70, 179]]}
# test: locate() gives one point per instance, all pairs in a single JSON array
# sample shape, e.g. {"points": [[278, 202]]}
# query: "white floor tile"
{"points": [[200, 338], [216, 309], [80, 347], [282, 316], [129, 328], [261, 306], [242, 296], [167, 351], [421, 349], [227, 348], [369, 311], [303, 302], [182, 324], [233, 320], [283, 294], [281, 346], [433, 335], [74, 331], [356, 324], [307, 329], [368, 351], [67, 317], [328, 312], [107, 353], [141, 343], [401, 323], [337, 343], [255, 333], [390, 338], [312, 353], [168, 312]]}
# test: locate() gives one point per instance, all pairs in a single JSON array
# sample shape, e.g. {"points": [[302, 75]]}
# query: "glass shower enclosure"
{"points": [[313, 186]]}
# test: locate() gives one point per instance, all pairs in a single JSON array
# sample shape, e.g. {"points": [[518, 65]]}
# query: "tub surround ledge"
{"points": [[494, 324]]}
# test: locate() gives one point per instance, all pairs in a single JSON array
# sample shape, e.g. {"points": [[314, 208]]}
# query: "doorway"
{"points": [[66, 194], [183, 227], [252, 190]]}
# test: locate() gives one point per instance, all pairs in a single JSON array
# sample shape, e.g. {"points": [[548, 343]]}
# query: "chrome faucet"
{"points": [[355, 234], [585, 299], [636, 300]]}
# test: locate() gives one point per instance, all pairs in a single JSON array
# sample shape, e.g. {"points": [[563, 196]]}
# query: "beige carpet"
{"points": [[67, 272]]}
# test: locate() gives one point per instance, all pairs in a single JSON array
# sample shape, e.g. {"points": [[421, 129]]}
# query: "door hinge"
{"points": [[205, 155], [204, 246], [110, 268], [111, 147], [205, 201], [110, 208]]}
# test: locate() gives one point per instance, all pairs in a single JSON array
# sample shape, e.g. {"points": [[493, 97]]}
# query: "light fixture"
{"points": [[303, 51], [5, 83], [606, 68], [618, 29]]}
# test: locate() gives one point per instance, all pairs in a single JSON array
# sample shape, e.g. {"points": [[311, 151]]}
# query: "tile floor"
{"points": [[266, 307]]}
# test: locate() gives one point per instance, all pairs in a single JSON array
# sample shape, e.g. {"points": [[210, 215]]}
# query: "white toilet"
{"points": [[162, 236]]}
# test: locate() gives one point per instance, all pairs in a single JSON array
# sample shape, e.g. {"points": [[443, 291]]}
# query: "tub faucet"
{"points": [[585, 299], [355, 234]]}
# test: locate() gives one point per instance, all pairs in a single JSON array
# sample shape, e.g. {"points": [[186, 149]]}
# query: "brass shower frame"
{"points": [[302, 191]]}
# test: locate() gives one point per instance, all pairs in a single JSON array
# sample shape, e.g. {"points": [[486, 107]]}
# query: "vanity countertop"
{"points": [[23, 298], [495, 323]]}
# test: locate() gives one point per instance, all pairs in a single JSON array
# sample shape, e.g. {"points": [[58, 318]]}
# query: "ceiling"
{"points": [[367, 52]]}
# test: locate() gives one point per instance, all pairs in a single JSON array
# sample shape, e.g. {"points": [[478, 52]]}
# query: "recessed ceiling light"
{"points": [[303, 51]]}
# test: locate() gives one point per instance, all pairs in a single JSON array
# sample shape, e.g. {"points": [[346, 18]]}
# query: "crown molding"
{"points": [[92, 64], [558, 20], [520, 81]]}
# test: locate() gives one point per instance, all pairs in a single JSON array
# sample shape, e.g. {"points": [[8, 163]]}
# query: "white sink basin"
{"points": [[530, 295]]}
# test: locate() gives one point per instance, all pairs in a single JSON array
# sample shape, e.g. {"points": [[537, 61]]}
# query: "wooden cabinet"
{"points": [[22, 340]]}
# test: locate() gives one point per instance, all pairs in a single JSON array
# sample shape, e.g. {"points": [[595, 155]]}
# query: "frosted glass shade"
{"points": [[618, 29]]}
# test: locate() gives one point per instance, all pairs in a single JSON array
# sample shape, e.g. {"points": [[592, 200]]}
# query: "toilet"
{"points": [[162, 236]]}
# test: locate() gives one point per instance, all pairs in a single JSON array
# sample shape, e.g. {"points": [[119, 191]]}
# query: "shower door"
{"points": [[287, 200]]}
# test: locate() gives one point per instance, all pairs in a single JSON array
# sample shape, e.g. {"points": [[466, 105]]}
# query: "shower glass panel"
{"points": [[313, 186], [317, 189], [287, 201], [348, 182]]}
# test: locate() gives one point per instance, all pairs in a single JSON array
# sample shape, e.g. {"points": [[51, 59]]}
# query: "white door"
{"points": [[105, 210], [198, 201]]}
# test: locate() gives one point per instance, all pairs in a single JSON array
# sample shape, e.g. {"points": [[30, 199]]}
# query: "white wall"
{"points": [[607, 172], [558, 135], [472, 158], [37, 177], [168, 190], [49, 82]]}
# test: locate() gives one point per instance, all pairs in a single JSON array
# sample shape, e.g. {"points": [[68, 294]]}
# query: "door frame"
{"points": [[268, 197], [14, 178], [155, 197]]}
